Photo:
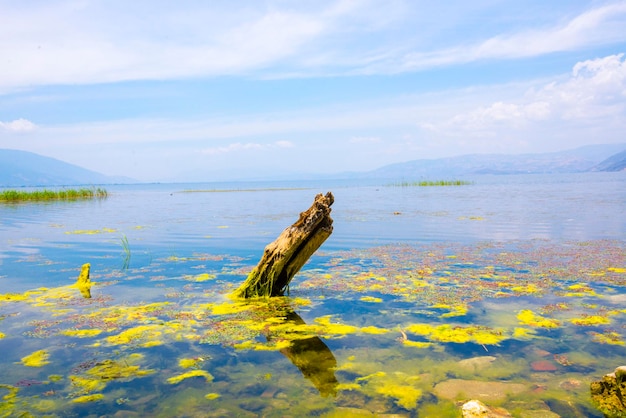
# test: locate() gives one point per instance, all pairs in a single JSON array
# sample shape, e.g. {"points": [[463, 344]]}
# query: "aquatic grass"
{"points": [[127, 254], [46, 195], [432, 183]]}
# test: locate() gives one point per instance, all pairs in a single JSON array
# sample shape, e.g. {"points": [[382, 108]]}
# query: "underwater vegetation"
{"points": [[14, 196], [396, 329]]}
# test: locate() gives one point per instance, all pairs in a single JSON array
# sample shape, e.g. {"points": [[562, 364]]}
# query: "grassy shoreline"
{"points": [[46, 195], [429, 183]]}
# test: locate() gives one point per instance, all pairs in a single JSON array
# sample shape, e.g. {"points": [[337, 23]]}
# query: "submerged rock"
{"points": [[477, 409], [475, 389], [475, 364], [543, 366], [608, 394]]}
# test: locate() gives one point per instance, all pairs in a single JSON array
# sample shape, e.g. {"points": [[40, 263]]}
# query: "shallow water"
{"points": [[419, 291]]}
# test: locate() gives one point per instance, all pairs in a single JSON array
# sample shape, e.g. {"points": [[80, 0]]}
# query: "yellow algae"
{"points": [[12, 392], [348, 386], [254, 345], [13, 297], [123, 369], [591, 320], [421, 329], [522, 333], [36, 359], [528, 289], [611, 337], [616, 269], [417, 344], [406, 396], [87, 384], [229, 308], [88, 398], [455, 310], [580, 290], [528, 317], [45, 405], [337, 329], [81, 333], [2, 335], [55, 377], [200, 277], [371, 299], [91, 231], [194, 373], [374, 330], [211, 396], [457, 334], [137, 313], [152, 333], [371, 376], [190, 363]]}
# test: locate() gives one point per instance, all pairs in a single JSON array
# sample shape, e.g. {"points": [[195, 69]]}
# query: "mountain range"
{"points": [[22, 168], [608, 157]]}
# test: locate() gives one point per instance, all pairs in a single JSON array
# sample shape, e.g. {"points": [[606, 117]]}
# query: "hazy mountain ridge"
{"points": [[22, 168], [587, 158], [615, 162]]}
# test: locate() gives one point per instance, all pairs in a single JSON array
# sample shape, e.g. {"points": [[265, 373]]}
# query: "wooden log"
{"points": [[284, 257]]}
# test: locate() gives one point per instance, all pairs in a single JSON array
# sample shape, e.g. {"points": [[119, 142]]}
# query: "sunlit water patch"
{"points": [[411, 327]]}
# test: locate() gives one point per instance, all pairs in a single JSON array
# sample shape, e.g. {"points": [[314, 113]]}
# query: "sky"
{"points": [[197, 90]]}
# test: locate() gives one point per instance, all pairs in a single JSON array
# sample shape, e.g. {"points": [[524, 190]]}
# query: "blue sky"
{"points": [[197, 90]]}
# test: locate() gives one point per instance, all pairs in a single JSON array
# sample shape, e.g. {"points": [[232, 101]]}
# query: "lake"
{"points": [[510, 289]]}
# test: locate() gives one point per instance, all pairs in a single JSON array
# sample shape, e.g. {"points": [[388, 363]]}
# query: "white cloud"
{"points": [[595, 90], [70, 42], [64, 42], [18, 125], [598, 26]]}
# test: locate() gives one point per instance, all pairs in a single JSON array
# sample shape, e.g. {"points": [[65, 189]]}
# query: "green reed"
{"points": [[429, 183], [44, 195], [127, 255]]}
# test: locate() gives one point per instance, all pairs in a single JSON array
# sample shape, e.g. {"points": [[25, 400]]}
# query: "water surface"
{"points": [[419, 291]]}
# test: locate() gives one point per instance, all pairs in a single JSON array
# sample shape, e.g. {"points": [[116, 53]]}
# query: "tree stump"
{"points": [[284, 257]]}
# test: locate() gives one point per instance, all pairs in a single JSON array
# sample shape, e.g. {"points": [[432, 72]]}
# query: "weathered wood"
{"points": [[83, 282], [284, 257]]}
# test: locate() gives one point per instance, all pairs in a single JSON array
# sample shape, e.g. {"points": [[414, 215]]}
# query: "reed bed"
{"points": [[45, 195], [433, 183]]}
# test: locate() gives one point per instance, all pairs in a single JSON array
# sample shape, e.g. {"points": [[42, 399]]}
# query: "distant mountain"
{"points": [[22, 168], [615, 162], [576, 160]]}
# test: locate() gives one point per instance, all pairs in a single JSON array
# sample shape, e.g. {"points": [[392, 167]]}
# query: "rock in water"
{"points": [[608, 394]]}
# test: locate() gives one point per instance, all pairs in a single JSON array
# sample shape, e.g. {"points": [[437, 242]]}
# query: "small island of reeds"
{"points": [[430, 183], [46, 195]]}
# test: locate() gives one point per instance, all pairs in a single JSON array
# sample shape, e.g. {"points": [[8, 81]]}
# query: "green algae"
{"points": [[195, 323]]}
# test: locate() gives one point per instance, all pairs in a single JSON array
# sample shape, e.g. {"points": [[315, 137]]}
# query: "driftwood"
{"points": [[284, 257], [83, 282]]}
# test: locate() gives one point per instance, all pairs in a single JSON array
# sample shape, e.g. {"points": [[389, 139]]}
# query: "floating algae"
{"points": [[37, 359], [435, 311]]}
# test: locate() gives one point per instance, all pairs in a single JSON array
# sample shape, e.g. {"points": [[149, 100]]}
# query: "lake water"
{"points": [[511, 290]]}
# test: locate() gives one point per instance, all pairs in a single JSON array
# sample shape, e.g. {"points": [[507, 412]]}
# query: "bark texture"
{"points": [[284, 257]]}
